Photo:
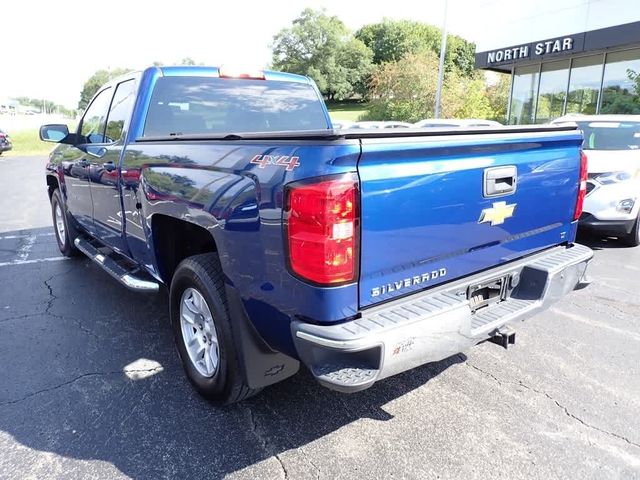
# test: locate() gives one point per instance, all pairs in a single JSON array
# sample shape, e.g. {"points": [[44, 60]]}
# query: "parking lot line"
{"points": [[11, 237], [35, 260], [25, 248]]}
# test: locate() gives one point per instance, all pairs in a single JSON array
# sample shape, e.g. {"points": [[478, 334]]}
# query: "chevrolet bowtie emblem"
{"points": [[497, 214]]}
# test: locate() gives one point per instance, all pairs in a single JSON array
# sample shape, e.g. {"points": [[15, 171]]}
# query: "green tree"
{"points": [[391, 40], [465, 97], [498, 95], [189, 61], [321, 46], [46, 106], [404, 90], [94, 82]]}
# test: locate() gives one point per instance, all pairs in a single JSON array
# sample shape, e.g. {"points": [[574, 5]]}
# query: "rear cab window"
{"points": [[201, 105]]}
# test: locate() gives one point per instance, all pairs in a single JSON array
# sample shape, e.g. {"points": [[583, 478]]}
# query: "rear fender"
{"points": [[224, 205]]}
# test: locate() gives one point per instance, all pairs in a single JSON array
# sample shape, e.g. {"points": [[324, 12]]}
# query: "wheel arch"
{"points": [[52, 184], [175, 239]]}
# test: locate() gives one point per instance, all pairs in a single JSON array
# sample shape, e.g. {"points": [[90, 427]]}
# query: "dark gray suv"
{"points": [[5, 142]]}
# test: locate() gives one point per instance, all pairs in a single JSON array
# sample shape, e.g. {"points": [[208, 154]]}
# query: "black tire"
{"points": [[633, 238], [204, 274], [65, 244]]}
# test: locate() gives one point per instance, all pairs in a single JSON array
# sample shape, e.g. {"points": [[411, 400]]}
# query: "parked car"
{"points": [[612, 204], [394, 124], [5, 142], [380, 124], [455, 123], [338, 124], [283, 241]]}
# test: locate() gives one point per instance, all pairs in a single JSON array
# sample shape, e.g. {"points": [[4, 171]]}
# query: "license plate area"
{"points": [[490, 292]]}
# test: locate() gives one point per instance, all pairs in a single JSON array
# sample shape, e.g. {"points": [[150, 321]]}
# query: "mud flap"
{"points": [[262, 366]]}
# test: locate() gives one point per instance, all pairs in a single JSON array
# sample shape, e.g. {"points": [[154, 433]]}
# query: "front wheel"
{"points": [[202, 330], [633, 238], [64, 230]]}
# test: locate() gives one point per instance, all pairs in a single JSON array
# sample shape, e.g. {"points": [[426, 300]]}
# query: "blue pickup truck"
{"points": [[282, 240]]}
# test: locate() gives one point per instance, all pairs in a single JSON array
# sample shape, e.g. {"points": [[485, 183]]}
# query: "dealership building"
{"points": [[571, 56]]}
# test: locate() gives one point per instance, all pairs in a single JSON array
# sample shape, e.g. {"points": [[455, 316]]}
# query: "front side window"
{"points": [[201, 105], [93, 122], [120, 110]]}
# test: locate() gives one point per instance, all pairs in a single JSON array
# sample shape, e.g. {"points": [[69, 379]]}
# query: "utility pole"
{"points": [[443, 48]]}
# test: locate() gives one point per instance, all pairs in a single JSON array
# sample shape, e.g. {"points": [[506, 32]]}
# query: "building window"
{"points": [[553, 90], [621, 85], [584, 85], [523, 96]]}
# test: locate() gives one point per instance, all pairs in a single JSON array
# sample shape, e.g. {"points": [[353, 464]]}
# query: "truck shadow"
{"points": [[596, 242], [74, 399]]}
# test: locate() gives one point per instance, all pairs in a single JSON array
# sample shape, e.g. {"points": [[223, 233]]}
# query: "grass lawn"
{"points": [[347, 110], [26, 142]]}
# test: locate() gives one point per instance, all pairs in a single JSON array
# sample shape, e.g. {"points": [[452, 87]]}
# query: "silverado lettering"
{"points": [[408, 282]]}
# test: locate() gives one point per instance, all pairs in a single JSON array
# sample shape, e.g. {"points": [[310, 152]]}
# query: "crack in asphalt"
{"points": [[49, 303], [310, 462], [53, 298], [20, 317], [265, 445], [80, 377], [557, 403]]}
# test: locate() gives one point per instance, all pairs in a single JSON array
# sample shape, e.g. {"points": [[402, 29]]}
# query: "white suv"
{"points": [[612, 145]]}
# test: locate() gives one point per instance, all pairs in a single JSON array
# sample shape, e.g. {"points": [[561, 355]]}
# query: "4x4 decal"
{"points": [[279, 160]]}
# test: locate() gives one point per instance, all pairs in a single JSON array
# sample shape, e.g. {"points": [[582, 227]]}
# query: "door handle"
{"points": [[109, 166], [500, 181]]}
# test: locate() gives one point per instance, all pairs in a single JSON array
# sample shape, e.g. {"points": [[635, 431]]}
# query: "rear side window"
{"points": [[120, 110], [201, 105]]}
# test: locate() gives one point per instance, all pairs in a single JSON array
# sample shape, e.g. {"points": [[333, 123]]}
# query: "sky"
{"points": [[49, 49]]}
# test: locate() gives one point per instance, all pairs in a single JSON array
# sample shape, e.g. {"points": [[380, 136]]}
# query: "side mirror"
{"points": [[54, 133], [97, 151]]}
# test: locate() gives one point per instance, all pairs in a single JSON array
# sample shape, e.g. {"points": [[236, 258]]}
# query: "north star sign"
{"points": [[557, 45]]}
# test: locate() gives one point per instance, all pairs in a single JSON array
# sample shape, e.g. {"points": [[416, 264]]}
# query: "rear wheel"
{"points": [[633, 238], [63, 227], [202, 330]]}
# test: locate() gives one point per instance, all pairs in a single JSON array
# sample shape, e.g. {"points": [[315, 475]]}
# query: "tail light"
{"points": [[582, 190], [322, 229]]}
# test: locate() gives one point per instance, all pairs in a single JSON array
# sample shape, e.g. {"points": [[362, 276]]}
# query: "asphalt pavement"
{"points": [[91, 386]]}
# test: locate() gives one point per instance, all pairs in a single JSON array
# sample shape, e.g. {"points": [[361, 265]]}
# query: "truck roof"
{"points": [[198, 70]]}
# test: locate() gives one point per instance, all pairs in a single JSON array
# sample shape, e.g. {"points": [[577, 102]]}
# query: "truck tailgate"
{"points": [[436, 208]]}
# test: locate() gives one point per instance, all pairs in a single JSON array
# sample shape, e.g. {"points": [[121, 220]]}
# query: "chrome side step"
{"points": [[118, 272]]}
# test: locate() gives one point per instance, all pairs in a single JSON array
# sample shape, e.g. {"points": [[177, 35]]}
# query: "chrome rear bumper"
{"points": [[434, 324]]}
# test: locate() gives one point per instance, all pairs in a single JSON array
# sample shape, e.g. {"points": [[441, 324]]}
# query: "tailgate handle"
{"points": [[500, 181]]}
